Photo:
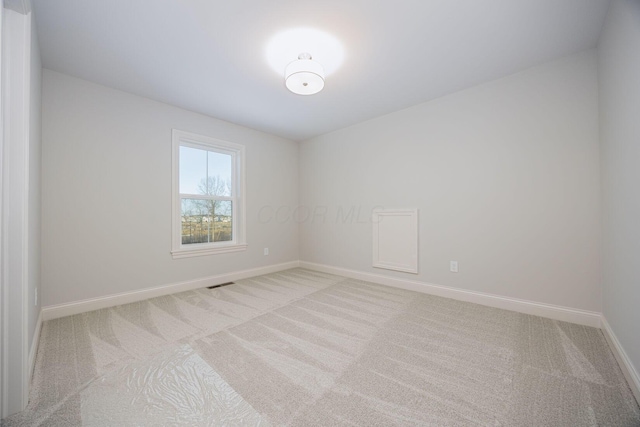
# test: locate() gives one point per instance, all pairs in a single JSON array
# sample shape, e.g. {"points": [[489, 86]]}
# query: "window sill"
{"points": [[193, 252]]}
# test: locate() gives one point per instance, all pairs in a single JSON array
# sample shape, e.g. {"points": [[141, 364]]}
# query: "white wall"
{"points": [[619, 79], [106, 186], [35, 148], [506, 177]]}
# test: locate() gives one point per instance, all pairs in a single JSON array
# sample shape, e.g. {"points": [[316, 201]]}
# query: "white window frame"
{"points": [[238, 243]]}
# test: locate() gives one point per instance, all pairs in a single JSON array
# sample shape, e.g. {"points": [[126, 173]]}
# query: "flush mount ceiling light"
{"points": [[304, 76], [295, 43]]}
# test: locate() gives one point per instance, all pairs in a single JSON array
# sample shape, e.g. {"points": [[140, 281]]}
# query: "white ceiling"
{"points": [[209, 56]]}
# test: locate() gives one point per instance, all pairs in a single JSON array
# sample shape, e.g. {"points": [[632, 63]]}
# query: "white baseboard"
{"points": [[34, 346], [61, 310], [581, 317], [629, 371], [566, 314]]}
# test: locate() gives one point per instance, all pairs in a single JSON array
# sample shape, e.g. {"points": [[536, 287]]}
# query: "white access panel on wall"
{"points": [[395, 239]]}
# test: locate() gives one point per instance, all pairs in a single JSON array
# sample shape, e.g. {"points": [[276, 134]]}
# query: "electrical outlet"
{"points": [[453, 266], [266, 251], [36, 298]]}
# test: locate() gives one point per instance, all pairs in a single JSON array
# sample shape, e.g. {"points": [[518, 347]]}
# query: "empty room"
{"points": [[336, 213]]}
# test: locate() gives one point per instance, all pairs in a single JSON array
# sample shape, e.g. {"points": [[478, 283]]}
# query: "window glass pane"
{"points": [[222, 224], [219, 174], [205, 221], [193, 171], [195, 221]]}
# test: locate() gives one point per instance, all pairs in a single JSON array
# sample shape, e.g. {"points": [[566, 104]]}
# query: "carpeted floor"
{"points": [[302, 348]]}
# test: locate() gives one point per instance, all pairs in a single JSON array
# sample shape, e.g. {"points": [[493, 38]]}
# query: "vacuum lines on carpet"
{"points": [[301, 348]]}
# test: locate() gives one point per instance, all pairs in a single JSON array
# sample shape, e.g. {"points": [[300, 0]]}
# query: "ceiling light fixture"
{"points": [[304, 76], [286, 45]]}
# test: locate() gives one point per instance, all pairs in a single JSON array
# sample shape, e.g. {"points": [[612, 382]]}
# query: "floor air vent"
{"points": [[218, 286]]}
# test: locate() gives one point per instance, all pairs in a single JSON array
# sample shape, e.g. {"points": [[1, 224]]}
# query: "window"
{"points": [[208, 196]]}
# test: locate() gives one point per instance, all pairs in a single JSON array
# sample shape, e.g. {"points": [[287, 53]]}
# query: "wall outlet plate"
{"points": [[453, 266]]}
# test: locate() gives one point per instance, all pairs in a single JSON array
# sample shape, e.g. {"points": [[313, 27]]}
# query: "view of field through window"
{"points": [[206, 195]]}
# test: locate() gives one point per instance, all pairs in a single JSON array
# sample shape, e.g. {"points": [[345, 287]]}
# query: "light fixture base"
{"points": [[304, 76]]}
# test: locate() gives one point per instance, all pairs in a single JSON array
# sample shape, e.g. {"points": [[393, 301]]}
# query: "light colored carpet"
{"points": [[302, 348]]}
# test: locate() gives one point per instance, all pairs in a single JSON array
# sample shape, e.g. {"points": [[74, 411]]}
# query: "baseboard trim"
{"points": [[61, 310], [581, 317], [34, 346], [629, 371]]}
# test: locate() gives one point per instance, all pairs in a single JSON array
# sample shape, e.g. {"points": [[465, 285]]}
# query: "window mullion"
{"points": [[204, 197]]}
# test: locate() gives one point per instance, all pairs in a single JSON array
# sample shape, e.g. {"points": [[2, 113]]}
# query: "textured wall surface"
{"points": [[106, 170], [619, 77], [505, 175]]}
